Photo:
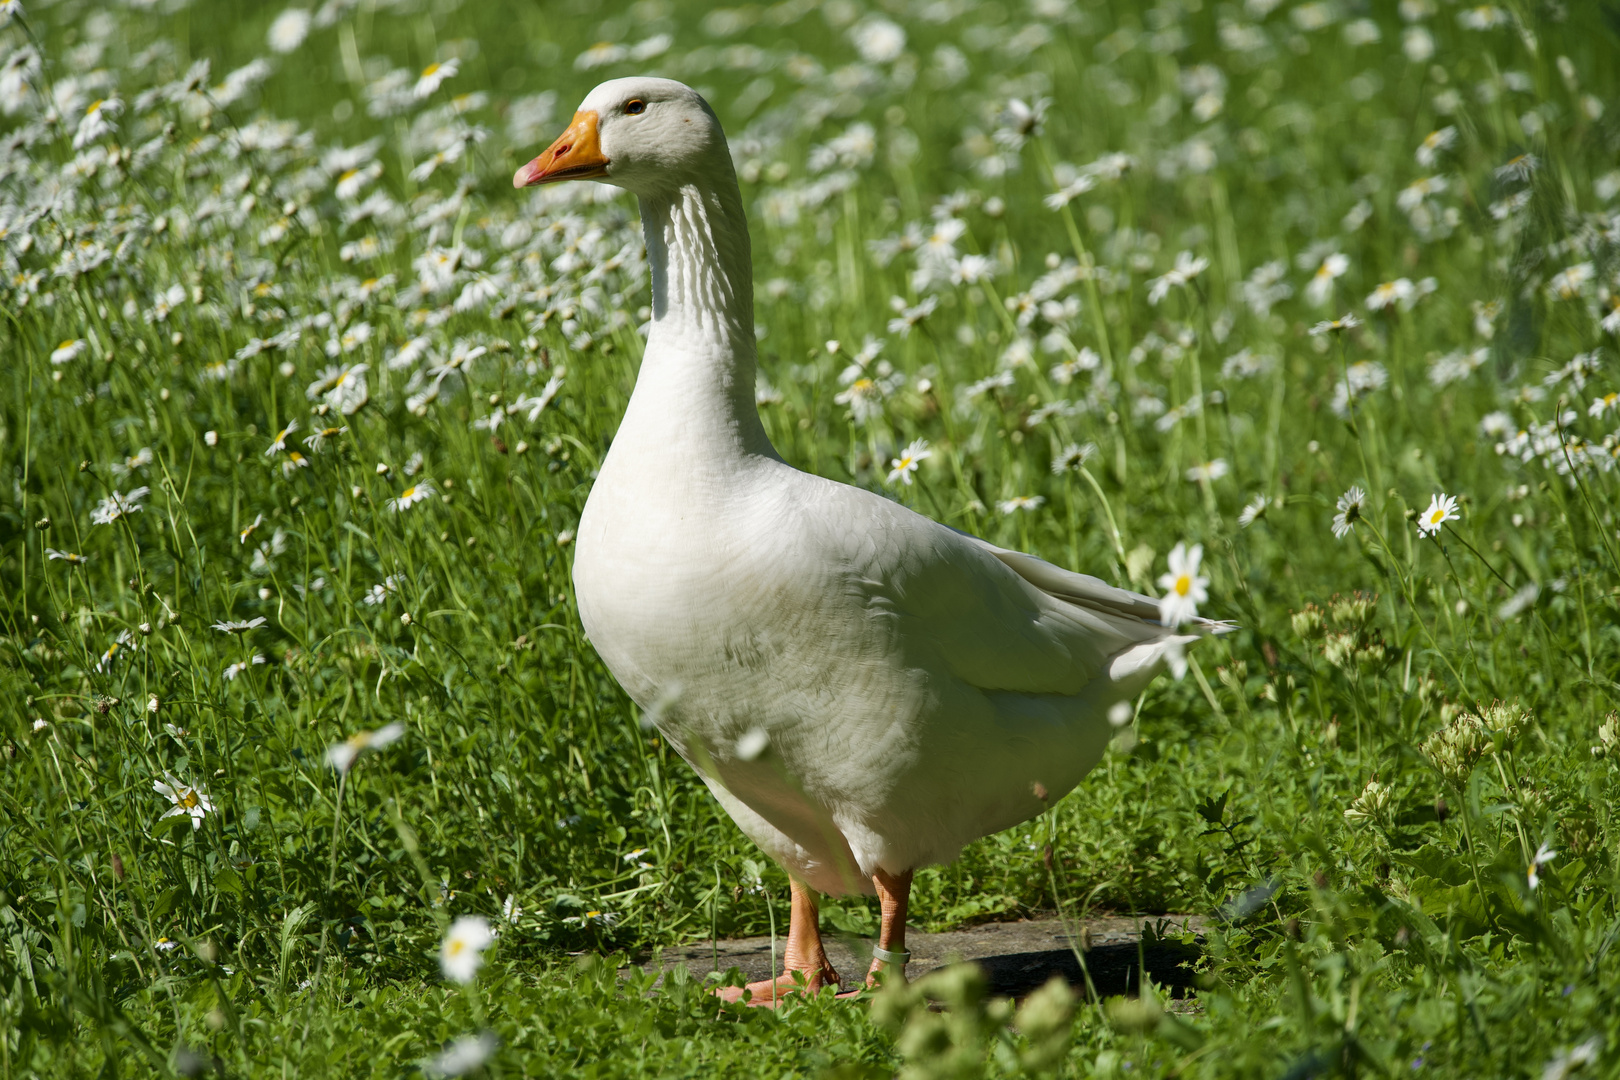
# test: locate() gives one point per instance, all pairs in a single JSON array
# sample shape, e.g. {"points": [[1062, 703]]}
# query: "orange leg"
{"points": [[804, 955], [894, 890]]}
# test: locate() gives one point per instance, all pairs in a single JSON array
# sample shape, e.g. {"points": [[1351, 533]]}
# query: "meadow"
{"points": [[309, 769]]}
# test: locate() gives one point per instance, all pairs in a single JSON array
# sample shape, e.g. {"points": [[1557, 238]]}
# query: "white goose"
{"points": [[863, 689]]}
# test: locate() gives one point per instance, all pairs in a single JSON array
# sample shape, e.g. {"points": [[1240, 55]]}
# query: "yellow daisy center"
{"points": [[1183, 584]]}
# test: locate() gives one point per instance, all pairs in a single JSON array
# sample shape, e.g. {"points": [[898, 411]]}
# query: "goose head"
{"points": [[648, 136]]}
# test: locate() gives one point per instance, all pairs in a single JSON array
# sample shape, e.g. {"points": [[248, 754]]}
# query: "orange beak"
{"points": [[576, 155]]}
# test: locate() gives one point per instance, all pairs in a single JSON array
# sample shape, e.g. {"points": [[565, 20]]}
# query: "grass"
{"points": [[1336, 780]]}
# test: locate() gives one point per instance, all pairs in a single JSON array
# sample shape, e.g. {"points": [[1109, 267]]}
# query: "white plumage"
{"points": [[863, 689]]}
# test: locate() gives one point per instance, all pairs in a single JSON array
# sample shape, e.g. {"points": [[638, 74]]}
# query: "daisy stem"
{"points": [[331, 883], [1195, 365], [1355, 428], [1456, 577], [1486, 562], [1076, 938], [1083, 257], [1512, 789], [1473, 855], [1411, 601], [1575, 474], [1113, 527]]}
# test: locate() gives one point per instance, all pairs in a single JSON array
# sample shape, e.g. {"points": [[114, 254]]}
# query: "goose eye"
{"points": [[635, 107]]}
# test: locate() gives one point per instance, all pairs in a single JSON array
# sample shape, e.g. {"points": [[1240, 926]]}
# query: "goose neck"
{"points": [[702, 272], [697, 374]]}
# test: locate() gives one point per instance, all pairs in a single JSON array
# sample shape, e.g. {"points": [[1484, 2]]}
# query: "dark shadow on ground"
{"points": [[1115, 969], [1018, 957]]}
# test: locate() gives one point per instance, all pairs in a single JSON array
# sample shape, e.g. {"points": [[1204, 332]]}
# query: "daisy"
{"points": [[380, 593], [1412, 196], [71, 558], [590, 918], [279, 443], [462, 952], [1205, 471], [1434, 144], [1020, 121], [1351, 506], [1442, 508], [1254, 511], [294, 462], [1072, 457], [123, 643], [1563, 1066], [534, 405], [96, 122], [317, 441], [140, 459], [348, 391], [1320, 290], [1519, 168], [116, 505], [464, 1055], [1567, 283], [289, 30], [1184, 589], [239, 626], [972, 269], [1021, 502], [1360, 379], [71, 349], [349, 187], [412, 495], [1066, 194], [1609, 402], [233, 670], [864, 396], [600, 55], [1112, 166], [433, 77], [1186, 268], [409, 353], [903, 467], [188, 801], [342, 755], [1544, 854], [1482, 17], [878, 40], [1390, 293]]}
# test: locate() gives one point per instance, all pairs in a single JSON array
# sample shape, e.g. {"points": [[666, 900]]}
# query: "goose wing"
{"points": [[998, 620]]}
